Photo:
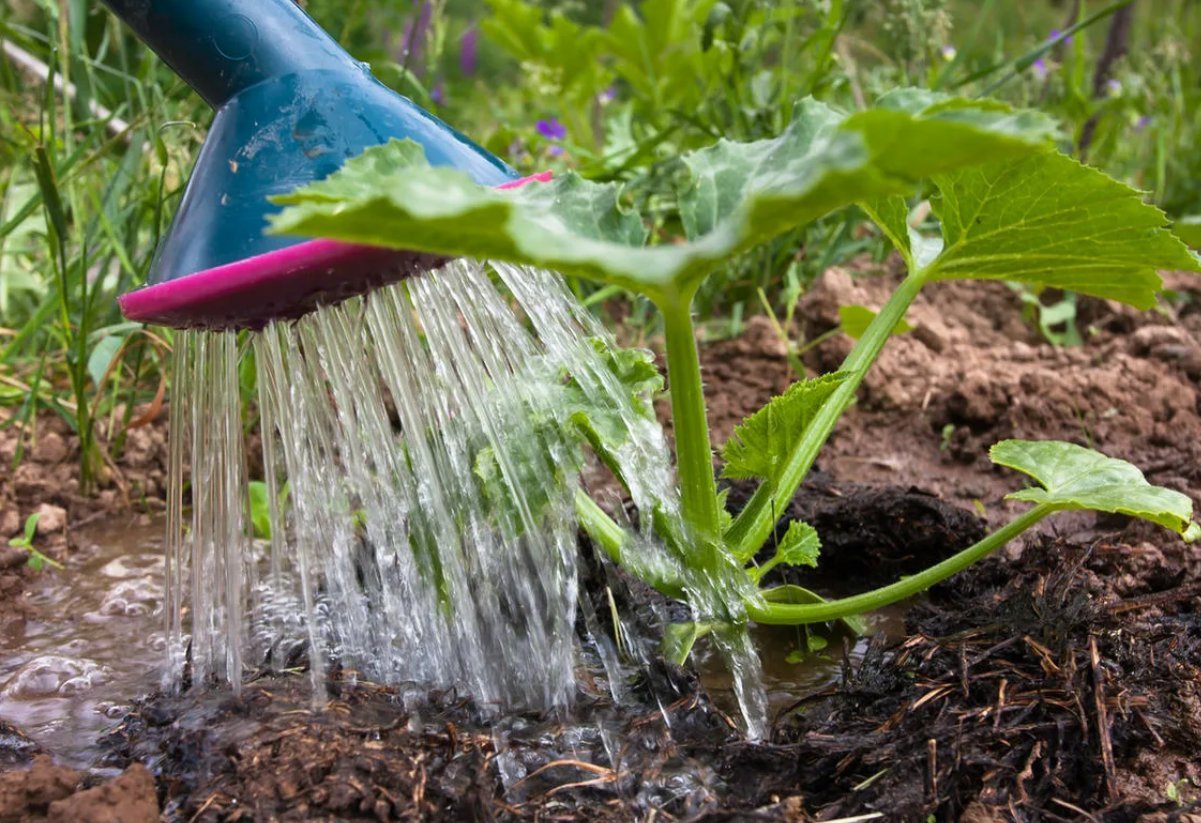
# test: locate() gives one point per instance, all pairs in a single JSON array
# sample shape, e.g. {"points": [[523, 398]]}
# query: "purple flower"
{"points": [[607, 96], [438, 93], [1113, 87], [1040, 68], [551, 129], [412, 40], [1142, 123], [1055, 36], [468, 45], [554, 151], [948, 52]]}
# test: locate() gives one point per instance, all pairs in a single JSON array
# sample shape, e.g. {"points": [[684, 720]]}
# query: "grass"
{"points": [[89, 179]]}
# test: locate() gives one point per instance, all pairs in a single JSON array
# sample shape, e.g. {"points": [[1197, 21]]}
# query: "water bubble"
{"points": [[53, 675]]}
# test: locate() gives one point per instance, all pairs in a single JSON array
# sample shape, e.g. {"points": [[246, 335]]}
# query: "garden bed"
{"points": [[1057, 680]]}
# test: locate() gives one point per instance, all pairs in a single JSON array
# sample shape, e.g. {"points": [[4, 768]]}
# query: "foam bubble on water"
{"points": [[53, 675]]}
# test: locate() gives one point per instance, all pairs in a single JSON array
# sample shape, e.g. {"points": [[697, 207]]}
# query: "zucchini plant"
{"points": [[1009, 205]]}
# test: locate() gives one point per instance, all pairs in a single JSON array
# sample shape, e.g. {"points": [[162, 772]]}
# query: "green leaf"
{"points": [[600, 422], [854, 321], [735, 196], [1188, 229], [760, 444], [679, 638], [1049, 221], [260, 509], [31, 527], [891, 214], [800, 546], [102, 355], [1074, 477]]}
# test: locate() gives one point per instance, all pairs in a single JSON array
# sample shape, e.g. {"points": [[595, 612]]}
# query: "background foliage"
{"points": [[616, 90]]}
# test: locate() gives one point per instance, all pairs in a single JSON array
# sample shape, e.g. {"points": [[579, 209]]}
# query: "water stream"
{"points": [[418, 488]]}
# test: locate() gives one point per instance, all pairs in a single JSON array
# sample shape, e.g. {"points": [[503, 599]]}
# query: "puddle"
{"points": [[97, 642], [789, 674]]}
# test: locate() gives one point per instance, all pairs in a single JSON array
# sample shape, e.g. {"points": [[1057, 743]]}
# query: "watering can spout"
{"points": [[292, 107]]}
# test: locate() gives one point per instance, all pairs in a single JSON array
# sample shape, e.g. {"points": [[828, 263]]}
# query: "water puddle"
{"points": [[96, 642]]}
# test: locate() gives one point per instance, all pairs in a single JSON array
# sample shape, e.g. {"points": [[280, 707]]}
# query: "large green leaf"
{"points": [[1049, 221], [1073, 477], [736, 196], [760, 445]]}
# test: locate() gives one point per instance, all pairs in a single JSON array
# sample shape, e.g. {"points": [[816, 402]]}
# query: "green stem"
{"points": [[694, 452], [613, 540], [789, 614], [755, 521]]}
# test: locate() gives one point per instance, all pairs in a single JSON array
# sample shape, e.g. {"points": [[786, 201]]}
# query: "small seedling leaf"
{"points": [[759, 445], [800, 546], [1073, 477], [1047, 220], [31, 527]]}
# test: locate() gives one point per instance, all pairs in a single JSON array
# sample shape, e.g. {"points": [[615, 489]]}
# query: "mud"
{"points": [[1025, 689], [1058, 680]]}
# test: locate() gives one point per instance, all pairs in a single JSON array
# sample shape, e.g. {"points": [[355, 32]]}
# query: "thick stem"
{"points": [[694, 452], [755, 521], [788, 614]]}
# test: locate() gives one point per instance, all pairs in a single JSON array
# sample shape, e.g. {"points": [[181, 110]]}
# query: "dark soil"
{"points": [[1058, 680]]}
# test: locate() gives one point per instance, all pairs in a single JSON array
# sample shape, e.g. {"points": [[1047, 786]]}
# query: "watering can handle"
{"points": [[220, 47]]}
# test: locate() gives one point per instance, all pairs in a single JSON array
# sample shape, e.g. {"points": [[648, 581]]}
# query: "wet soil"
{"points": [[1058, 680]]}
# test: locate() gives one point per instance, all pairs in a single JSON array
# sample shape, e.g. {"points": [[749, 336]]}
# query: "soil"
{"points": [[1058, 680], [46, 482]]}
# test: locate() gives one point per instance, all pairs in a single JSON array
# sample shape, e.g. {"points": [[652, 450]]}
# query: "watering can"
{"points": [[292, 106]]}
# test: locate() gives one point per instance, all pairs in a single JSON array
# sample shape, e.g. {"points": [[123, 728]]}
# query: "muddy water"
{"points": [[99, 642], [96, 644]]}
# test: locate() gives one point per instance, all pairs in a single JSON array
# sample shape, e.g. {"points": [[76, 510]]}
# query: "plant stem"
{"points": [[613, 540], [789, 614], [755, 521], [694, 452]]}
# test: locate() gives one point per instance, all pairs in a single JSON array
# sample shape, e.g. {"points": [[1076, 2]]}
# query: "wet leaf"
{"points": [[1073, 477], [260, 509], [679, 638]]}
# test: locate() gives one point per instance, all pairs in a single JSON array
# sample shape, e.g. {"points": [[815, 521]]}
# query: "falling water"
{"points": [[418, 488]]}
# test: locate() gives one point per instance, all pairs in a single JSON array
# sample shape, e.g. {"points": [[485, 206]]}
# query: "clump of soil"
{"points": [[46, 792]]}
